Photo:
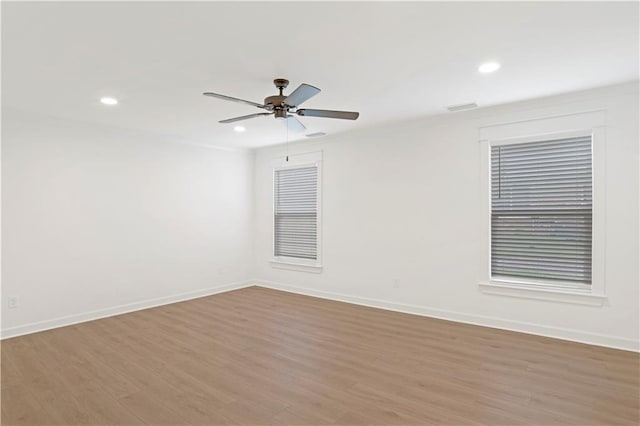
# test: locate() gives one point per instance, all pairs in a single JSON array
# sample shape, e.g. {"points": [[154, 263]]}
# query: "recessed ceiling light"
{"points": [[109, 101], [488, 67], [239, 129]]}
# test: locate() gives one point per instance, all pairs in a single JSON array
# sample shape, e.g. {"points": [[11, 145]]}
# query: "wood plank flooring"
{"points": [[260, 356]]}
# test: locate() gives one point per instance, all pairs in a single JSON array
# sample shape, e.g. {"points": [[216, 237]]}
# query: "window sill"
{"points": [[579, 297], [294, 266]]}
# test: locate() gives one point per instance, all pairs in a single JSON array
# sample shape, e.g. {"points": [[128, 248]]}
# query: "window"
{"points": [[542, 185], [296, 223], [541, 212]]}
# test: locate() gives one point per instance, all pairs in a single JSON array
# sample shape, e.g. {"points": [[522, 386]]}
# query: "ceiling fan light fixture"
{"points": [[239, 129]]}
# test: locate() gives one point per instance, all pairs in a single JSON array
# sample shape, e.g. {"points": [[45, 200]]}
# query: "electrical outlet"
{"points": [[13, 302], [396, 283]]}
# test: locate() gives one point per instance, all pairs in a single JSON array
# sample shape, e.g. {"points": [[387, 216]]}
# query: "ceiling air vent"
{"points": [[462, 107]]}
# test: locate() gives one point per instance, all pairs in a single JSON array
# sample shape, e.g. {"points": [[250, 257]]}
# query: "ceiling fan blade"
{"points": [[345, 115], [229, 98], [294, 124], [244, 117], [301, 94]]}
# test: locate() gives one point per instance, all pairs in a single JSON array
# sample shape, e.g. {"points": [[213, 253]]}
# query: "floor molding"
{"points": [[522, 327], [118, 310]]}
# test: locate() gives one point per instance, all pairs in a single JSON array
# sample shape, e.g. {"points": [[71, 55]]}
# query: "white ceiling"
{"points": [[389, 61]]}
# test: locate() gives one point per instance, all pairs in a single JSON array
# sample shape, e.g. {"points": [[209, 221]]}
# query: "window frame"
{"points": [[575, 125], [295, 263]]}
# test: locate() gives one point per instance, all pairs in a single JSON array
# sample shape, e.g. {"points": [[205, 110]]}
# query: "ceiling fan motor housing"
{"points": [[275, 101], [276, 104]]}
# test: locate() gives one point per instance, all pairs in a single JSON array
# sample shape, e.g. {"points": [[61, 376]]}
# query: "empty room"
{"points": [[320, 213]]}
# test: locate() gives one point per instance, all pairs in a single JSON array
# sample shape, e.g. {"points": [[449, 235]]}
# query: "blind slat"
{"points": [[541, 207]]}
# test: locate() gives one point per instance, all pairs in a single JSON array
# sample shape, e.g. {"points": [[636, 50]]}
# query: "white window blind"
{"points": [[296, 212], [541, 211]]}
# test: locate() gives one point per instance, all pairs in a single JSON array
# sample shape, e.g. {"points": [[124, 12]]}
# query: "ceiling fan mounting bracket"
{"points": [[281, 83]]}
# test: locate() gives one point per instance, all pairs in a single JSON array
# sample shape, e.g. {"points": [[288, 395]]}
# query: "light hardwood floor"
{"points": [[260, 356]]}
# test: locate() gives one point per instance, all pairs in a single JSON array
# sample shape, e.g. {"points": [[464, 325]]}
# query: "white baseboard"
{"points": [[522, 327], [117, 310]]}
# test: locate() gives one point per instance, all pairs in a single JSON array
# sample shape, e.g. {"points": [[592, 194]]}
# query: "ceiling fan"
{"points": [[285, 106]]}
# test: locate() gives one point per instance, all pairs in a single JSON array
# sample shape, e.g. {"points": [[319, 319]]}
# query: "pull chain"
{"points": [[286, 123]]}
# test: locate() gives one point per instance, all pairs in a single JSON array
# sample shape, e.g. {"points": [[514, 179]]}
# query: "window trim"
{"points": [[294, 263], [558, 127]]}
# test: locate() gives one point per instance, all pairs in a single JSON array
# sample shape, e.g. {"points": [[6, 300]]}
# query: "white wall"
{"points": [[98, 220], [402, 201]]}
